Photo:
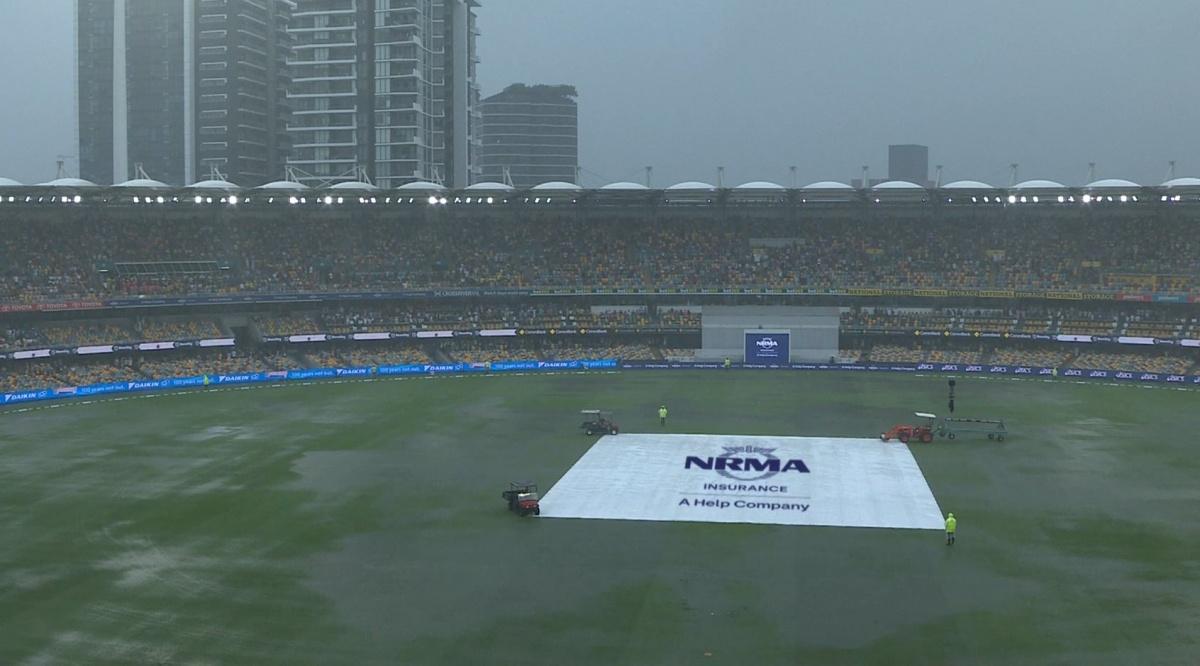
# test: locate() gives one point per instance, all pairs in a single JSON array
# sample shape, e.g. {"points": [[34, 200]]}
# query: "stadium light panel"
{"points": [[233, 200], [468, 199], [1124, 199], [1012, 198], [373, 200], [490, 200], [66, 200], [1134, 197], [442, 201], [328, 200], [974, 199], [1061, 198], [1035, 199], [1087, 198], [199, 199], [433, 201], [1023, 199], [137, 199], [341, 200], [293, 200]]}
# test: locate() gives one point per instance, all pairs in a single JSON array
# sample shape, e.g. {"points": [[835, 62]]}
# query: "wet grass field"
{"points": [[361, 523]]}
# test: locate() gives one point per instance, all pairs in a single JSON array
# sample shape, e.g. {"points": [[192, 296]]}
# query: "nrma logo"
{"points": [[767, 343], [746, 463]]}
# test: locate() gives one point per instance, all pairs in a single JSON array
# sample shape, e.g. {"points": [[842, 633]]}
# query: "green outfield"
{"points": [[361, 523]]}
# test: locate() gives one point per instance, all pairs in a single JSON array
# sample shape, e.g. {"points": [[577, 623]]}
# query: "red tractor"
{"points": [[906, 432]]}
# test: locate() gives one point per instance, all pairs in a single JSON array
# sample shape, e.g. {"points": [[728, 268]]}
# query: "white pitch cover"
{"points": [[741, 479]]}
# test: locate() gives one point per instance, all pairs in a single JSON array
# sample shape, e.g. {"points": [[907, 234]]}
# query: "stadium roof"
{"points": [[490, 186], [897, 185], [283, 185], [422, 186], [967, 185], [624, 185], [68, 182], [1174, 182], [1113, 184], [143, 183], [827, 185], [759, 185], [556, 186], [9, 182], [213, 185], [1039, 185], [353, 185], [691, 185]]}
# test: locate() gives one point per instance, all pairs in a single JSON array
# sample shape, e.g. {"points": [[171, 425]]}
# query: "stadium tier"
{"points": [[90, 254], [111, 291]]}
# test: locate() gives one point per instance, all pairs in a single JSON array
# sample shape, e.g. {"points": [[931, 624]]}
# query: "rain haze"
{"points": [[687, 86]]}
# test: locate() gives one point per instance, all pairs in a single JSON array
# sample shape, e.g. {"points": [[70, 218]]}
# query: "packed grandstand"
{"points": [[118, 285]]}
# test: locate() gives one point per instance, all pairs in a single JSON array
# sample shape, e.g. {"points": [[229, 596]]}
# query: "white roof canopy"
{"points": [[967, 185], [283, 185], [556, 186], [9, 182], [897, 185], [1039, 185], [1113, 184], [354, 185], [69, 182], [143, 183], [422, 186], [827, 185], [489, 186], [625, 185], [691, 185], [213, 185], [1182, 182], [759, 185]]}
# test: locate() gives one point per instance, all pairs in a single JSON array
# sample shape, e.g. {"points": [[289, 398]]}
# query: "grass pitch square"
{"points": [[842, 482]]}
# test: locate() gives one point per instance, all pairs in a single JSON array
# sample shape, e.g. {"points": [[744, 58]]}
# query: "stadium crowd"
{"points": [[135, 253]]}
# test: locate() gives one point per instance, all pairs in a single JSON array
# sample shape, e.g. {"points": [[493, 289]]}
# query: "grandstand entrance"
{"points": [[769, 335]]}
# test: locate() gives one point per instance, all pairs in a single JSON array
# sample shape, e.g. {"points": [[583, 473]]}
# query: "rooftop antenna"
{"points": [[578, 175], [1012, 173], [214, 172], [435, 175], [1171, 170], [649, 173], [937, 179], [795, 184], [720, 177], [506, 176], [1091, 172], [139, 172], [61, 162], [866, 177]]}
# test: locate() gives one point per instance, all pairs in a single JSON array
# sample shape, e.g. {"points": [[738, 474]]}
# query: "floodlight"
{"points": [[233, 200]]}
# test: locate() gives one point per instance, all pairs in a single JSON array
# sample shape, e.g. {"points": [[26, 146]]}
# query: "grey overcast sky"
{"points": [[685, 85]]}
